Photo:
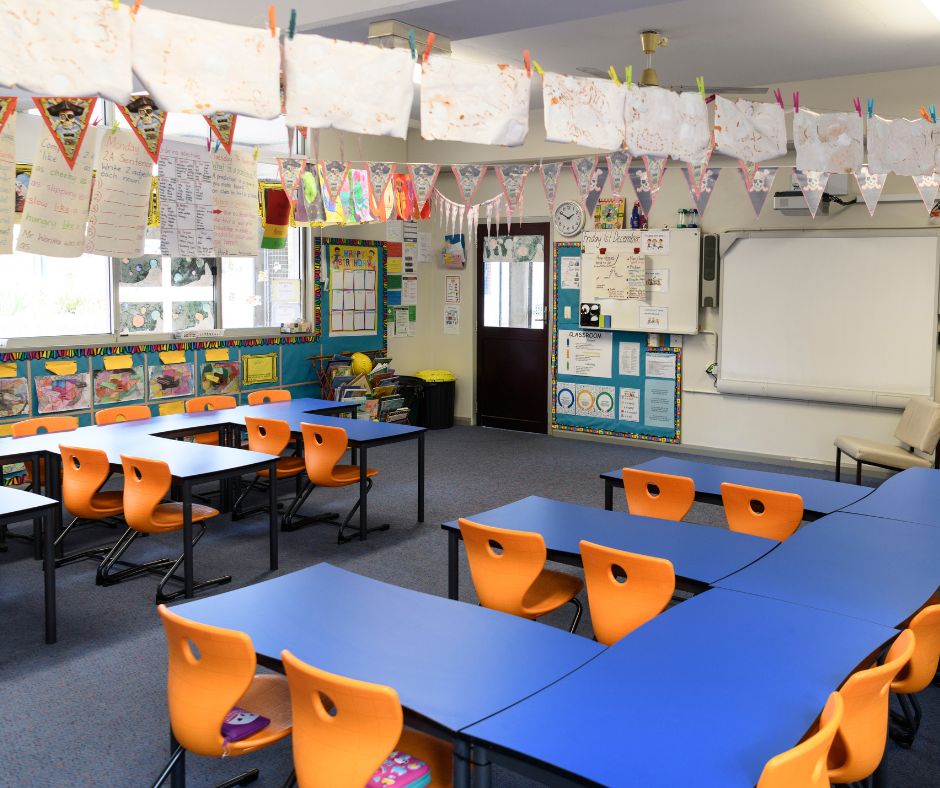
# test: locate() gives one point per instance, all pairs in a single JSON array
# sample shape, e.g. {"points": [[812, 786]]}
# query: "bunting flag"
{"points": [[757, 181], [655, 170], [380, 174], [469, 177], [147, 121], [598, 179], [701, 184], [870, 185], [512, 179], [697, 172], [332, 177], [7, 108], [290, 172], [647, 181], [67, 120], [813, 185], [222, 125], [927, 187], [618, 163], [583, 170], [424, 176], [549, 173]]}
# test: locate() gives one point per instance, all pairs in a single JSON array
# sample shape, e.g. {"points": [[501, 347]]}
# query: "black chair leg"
{"points": [[171, 575], [178, 753], [245, 778], [341, 538], [291, 780], [291, 522], [94, 553], [577, 614], [237, 512], [105, 577]]}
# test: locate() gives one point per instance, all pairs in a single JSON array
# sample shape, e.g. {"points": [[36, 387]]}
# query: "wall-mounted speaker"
{"points": [[709, 269]]}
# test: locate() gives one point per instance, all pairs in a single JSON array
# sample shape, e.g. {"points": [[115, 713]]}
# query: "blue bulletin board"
{"points": [[608, 382]]}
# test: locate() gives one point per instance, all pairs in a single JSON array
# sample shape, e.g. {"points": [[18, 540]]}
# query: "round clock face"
{"points": [[569, 218]]}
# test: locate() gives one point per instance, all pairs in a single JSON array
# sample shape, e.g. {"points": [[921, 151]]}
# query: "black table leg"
{"points": [[48, 525], [481, 767], [608, 495], [36, 487], [363, 495], [461, 767], [272, 513], [187, 539], [421, 477], [453, 555], [178, 774]]}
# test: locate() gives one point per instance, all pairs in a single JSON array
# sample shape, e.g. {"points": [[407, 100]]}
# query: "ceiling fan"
{"points": [[651, 40]]}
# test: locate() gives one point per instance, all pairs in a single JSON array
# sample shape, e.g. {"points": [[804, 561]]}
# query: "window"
{"points": [[514, 282]]}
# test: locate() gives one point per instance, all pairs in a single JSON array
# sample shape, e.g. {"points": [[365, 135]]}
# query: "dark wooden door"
{"points": [[512, 328]]}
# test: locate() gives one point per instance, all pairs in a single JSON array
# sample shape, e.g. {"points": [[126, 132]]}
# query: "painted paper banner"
{"points": [[380, 174], [583, 111], [701, 183], [222, 125], [618, 163], [870, 185], [901, 146], [332, 177], [309, 209], [424, 176], [290, 172], [598, 179], [469, 177], [7, 172], [813, 185], [830, 142], [750, 130], [147, 121], [549, 173], [757, 182], [647, 190], [583, 170], [67, 120], [927, 187], [512, 179]]}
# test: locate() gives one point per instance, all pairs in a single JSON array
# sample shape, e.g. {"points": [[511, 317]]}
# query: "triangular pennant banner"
{"points": [[700, 184], [7, 107], [469, 177], [512, 179], [332, 177], [655, 170], [618, 163], [550, 173], [870, 185], [646, 181], [290, 171], [813, 186], [223, 126], [695, 173], [757, 181], [380, 174], [147, 122], [598, 179], [424, 176], [583, 170], [927, 187], [67, 120]]}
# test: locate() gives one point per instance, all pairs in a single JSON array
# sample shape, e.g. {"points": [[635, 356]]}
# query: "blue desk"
{"points": [[700, 554], [820, 496], [912, 495], [871, 568], [703, 695]]}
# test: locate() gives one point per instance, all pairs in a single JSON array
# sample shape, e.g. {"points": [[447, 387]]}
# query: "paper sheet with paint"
{"points": [[827, 142], [201, 66], [474, 102], [345, 85], [750, 130], [7, 183], [184, 181], [585, 112], [663, 123], [586, 353], [235, 219], [74, 48], [901, 146]]}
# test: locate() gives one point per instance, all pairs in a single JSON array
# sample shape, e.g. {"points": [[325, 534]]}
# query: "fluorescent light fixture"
{"points": [[933, 6]]}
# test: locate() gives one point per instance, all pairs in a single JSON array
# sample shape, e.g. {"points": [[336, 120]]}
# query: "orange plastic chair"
{"points": [[209, 402], [917, 675], [264, 396], [860, 740], [805, 765], [210, 671], [270, 436], [509, 574], [344, 729], [122, 413], [40, 426], [768, 513], [659, 495], [146, 484], [624, 590]]}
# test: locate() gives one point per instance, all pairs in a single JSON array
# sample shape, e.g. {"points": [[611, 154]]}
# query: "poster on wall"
{"points": [[220, 377], [170, 380], [56, 393], [184, 180], [14, 397], [354, 273], [586, 353], [118, 385]]}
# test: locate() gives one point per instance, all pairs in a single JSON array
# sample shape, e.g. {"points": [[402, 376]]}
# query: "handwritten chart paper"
{"points": [[235, 199], [185, 184], [7, 184], [120, 201], [56, 207], [619, 276]]}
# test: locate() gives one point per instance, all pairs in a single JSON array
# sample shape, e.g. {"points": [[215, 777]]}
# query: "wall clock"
{"points": [[569, 219]]}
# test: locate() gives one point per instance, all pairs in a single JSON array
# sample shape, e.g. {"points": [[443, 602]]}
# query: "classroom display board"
{"points": [[640, 280], [608, 382], [847, 317]]}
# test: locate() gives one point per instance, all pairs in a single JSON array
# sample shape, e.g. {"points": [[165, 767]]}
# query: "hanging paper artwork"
{"points": [[831, 142], [184, 181], [484, 103], [583, 170], [901, 146], [585, 112], [200, 66], [423, 177], [701, 182], [309, 210], [222, 125], [550, 173], [758, 182], [512, 179], [380, 175], [354, 87], [118, 385], [220, 377], [693, 139], [14, 397], [7, 172], [927, 187], [663, 123], [469, 177], [332, 177], [750, 130], [57, 393], [170, 380], [235, 204], [870, 185], [290, 171], [147, 121], [67, 119], [618, 163], [813, 186], [647, 182], [67, 49]]}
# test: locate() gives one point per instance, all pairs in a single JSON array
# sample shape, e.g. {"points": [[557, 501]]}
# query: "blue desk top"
{"points": [[698, 552], [296, 413], [867, 567], [13, 502], [819, 495], [704, 694], [912, 495], [450, 662]]}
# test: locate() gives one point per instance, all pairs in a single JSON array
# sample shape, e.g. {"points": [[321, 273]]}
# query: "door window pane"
{"points": [[514, 282]]}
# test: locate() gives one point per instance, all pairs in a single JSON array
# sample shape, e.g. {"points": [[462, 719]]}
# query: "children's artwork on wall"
{"points": [[259, 368], [143, 271], [220, 377], [192, 272], [170, 380], [14, 397], [118, 385], [193, 314], [55, 393], [141, 317]]}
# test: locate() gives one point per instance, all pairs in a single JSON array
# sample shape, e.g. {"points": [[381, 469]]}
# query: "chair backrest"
{"points": [[122, 413], [269, 436], [919, 427], [503, 564], [265, 396], [43, 424], [805, 764], [323, 448], [210, 402], [625, 590], [209, 669], [860, 741], [343, 729], [658, 494], [84, 471], [922, 667], [768, 513], [146, 483]]}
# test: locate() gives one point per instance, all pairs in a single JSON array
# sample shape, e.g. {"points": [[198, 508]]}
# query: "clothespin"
{"points": [[411, 40], [700, 81], [796, 101], [427, 48], [272, 21], [538, 68], [292, 25], [208, 142], [613, 75], [857, 101], [779, 96], [923, 114], [116, 4], [218, 144], [628, 73], [710, 99], [114, 127], [136, 7], [527, 59], [871, 107], [932, 109]]}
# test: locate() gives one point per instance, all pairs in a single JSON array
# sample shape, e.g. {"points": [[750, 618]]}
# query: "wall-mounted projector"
{"points": [[791, 203]]}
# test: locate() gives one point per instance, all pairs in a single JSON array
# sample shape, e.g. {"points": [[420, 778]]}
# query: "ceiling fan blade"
{"points": [[737, 89]]}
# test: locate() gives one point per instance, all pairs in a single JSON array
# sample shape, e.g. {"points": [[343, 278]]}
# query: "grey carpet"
{"points": [[91, 710]]}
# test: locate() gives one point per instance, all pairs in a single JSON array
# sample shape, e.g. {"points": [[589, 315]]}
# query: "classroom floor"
{"points": [[92, 708]]}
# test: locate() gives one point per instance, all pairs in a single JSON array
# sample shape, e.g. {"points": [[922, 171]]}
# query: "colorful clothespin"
{"points": [[136, 7], [857, 101], [700, 81], [218, 144], [538, 69], [208, 142], [710, 98], [613, 75], [932, 109], [115, 126], [116, 4], [411, 40], [923, 114], [628, 74], [427, 48], [272, 21], [527, 59], [871, 107], [796, 101], [779, 96], [254, 153], [292, 25]]}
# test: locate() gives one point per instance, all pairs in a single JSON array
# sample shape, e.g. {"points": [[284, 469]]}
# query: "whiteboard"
{"points": [[681, 298], [836, 317]]}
